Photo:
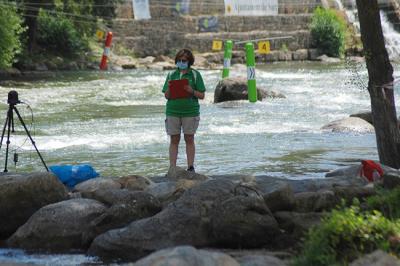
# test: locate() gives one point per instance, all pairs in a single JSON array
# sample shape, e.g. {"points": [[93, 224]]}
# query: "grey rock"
{"points": [[234, 89], [353, 171], [391, 179], [134, 182], [285, 56], [377, 258], [163, 191], [232, 228], [298, 224], [259, 260], [61, 226], [175, 173], [315, 201], [21, 195], [300, 55], [349, 124], [187, 255], [313, 54], [327, 59], [278, 196], [132, 206], [95, 184]]}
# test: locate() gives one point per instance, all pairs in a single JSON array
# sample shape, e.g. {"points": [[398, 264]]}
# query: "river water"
{"points": [[115, 122]]}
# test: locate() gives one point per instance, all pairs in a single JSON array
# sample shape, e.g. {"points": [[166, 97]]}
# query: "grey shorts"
{"points": [[174, 125]]}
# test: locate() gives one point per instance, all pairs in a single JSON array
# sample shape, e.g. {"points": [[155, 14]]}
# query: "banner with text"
{"points": [[251, 7], [141, 9]]}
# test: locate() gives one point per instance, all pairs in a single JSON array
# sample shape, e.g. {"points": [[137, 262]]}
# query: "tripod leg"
{"points": [[8, 135], [29, 135], [12, 122], [4, 131]]}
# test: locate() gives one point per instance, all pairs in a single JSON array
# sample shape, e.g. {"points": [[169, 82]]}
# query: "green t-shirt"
{"points": [[186, 107]]}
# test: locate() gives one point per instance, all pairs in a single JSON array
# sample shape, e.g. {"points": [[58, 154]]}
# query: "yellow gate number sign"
{"points": [[100, 35], [264, 47], [217, 45]]}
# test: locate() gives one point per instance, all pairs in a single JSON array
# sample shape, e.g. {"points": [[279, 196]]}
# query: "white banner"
{"points": [[141, 9], [251, 7]]}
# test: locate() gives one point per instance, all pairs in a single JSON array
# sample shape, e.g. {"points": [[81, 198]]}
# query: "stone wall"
{"points": [[167, 31]]}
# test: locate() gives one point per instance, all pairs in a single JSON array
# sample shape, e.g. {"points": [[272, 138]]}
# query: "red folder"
{"points": [[176, 89]]}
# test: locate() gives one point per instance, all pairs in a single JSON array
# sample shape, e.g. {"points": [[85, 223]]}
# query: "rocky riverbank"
{"points": [[187, 216]]}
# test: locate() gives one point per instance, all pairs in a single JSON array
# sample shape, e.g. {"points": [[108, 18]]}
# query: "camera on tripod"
{"points": [[9, 126], [13, 98]]}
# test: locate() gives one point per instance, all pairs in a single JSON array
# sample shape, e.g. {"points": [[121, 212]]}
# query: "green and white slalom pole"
{"points": [[251, 72], [227, 58]]}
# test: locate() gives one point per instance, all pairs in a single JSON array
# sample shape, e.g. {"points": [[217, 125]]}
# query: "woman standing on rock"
{"points": [[183, 112]]}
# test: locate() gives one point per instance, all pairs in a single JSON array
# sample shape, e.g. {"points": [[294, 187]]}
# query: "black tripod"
{"points": [[9, 124]]}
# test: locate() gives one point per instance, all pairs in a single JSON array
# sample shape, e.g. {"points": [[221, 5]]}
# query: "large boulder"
{"points": [[298, 224], [349, 124], [21, 195], [191, 220], [377, 258], [176, 173], [260, 260], [126, 207], [234, 89], [315, 201], [278, 195], [97, 183], [232, 228], [187, 255], [62, 226], [134, 182]]}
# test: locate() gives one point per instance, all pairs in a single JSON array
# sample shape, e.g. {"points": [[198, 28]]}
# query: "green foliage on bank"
{"points": [[348, 233], [387, 202], [58, 35], [53, 28], [328, 32], [10, 35]]}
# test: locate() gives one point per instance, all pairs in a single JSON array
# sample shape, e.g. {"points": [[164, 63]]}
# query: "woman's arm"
{"points": [[197, 94], [166, 94]]}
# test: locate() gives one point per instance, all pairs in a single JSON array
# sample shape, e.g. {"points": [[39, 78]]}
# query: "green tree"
{"points": [[10, 32]]}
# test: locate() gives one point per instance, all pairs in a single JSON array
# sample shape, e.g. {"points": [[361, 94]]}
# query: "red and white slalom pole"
{"points": [[106, 53]]}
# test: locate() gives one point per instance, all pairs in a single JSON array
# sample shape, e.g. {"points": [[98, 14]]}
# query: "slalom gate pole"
{"points": [[227, 58], [251, 72], [106, 53]]}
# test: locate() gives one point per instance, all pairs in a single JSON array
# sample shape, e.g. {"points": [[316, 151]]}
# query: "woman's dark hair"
{"points": [[187, 53]]}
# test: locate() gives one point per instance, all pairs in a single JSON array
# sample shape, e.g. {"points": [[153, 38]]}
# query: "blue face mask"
{"points": [[182, 65]]}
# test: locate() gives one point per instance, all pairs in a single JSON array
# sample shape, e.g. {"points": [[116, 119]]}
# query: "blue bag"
{"points": [[71, 175]]}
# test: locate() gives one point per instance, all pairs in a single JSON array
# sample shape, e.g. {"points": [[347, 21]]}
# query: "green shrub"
{"points": [[387, 202], [345, 235], [58, 35], [328, 31], [10, 32]]}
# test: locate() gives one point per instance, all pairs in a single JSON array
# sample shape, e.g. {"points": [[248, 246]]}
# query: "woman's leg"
{"points": [[190, 149], [173, 149]]}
